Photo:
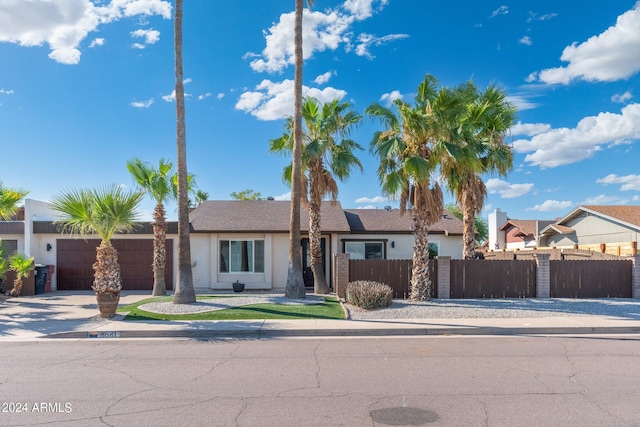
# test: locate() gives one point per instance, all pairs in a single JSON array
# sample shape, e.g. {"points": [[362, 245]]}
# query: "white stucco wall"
{"points": [[403, 244]]}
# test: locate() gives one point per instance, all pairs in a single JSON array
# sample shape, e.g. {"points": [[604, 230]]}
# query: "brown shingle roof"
{"points": [[390, 221], [261, 216], [628, 214], [527, 227]]}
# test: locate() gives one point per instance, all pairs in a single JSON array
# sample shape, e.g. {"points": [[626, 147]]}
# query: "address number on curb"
{"points": [[104, 334]]}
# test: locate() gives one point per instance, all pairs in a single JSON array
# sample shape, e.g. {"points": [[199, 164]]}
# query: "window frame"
{"points": [[252, 261], [364, 242]]}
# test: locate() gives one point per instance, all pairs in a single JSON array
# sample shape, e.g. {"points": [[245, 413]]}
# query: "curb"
{"points": [[274, 333]]}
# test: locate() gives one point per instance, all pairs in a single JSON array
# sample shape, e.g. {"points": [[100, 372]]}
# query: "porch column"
{"points": [[444, 277], [635, 276], [340, 274], [543, 275]]}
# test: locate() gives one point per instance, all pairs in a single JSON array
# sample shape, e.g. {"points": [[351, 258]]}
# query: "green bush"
{"points": [[368, 294]]}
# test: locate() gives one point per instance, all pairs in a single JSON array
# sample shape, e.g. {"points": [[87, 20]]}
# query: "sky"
{"points": [[86, 86]]}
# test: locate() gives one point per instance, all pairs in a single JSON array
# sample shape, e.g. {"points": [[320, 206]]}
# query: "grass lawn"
{"points": [[329, 309]]}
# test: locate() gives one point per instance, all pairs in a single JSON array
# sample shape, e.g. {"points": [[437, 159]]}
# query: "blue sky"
{"points": [[87, 85]]}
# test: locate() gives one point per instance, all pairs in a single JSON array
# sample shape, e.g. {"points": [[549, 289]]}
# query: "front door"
{"points": [[307, 273]]}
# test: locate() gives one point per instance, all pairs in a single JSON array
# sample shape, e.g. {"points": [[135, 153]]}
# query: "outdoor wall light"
{"points": [[48, 247], [393, 244]]}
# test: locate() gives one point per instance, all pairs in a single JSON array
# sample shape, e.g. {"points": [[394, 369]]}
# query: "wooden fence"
{"points": [[585, 279], [394, 272], [473, 278], [506, 278]]}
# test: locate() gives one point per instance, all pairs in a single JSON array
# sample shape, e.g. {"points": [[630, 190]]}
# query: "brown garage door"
{"points": [[76, 257]]}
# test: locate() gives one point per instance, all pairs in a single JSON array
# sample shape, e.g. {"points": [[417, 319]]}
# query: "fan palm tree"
{"points": [[22, 265], [157, 183], [484, 126], [184, 292], [9, 200], [295, 281], [103, 211], [327, 154], [415, 140], [4, 267]]}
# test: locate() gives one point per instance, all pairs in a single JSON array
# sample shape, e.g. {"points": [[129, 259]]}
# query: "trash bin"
{"points": [[40, 274]]}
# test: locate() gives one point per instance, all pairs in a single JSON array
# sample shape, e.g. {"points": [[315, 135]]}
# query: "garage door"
{"points": [[75, 260]]}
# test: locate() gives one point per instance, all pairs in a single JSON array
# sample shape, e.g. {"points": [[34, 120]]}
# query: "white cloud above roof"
{"points": [[64, 24], [562, 146], [552, 206], [507, 190], [629, 182], [609, 56]]}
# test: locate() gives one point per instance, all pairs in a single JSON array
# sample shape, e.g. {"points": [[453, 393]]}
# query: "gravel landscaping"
{"points": [[500, 308]]}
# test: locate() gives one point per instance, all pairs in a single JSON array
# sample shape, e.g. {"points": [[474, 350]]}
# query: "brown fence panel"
{"points": [[493, 279], [591, 279], [394, 272]]}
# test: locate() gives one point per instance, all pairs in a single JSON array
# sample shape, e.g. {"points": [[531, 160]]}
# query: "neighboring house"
{"points": [[247, 241], [611, 229], [523, 233], [38, 236], [507, 233]]}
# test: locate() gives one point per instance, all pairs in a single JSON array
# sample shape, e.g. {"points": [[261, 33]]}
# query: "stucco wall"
{"points": [[403, 244]]}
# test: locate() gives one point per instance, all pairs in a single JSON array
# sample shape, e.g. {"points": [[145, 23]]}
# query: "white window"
{"points": [[242, 256], [434, 248], [365, 250]]}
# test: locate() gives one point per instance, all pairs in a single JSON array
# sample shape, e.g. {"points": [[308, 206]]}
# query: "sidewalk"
{"points": [[73, 315]]}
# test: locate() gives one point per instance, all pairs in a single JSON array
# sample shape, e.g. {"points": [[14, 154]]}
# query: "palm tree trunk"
{"points": [[420, 280], [320, 285], [295, 282], [17, 287], [106, 278], [159, 250], [468, 227], [185, 292]]}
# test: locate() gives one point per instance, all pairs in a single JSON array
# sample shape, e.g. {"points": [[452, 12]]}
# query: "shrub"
{"points": [[368, 294]]}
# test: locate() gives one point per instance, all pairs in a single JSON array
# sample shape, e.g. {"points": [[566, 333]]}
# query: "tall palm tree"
{"points": [[484, 126], [157, 183], [413, 143], [104, 211], [295, 281], [22, 265], [184, 292], [9, 200], [327, 154]]}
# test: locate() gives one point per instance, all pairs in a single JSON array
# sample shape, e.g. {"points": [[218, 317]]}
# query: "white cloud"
{"points": [[629, 182], [521, 102], [63, 24], [6, 92], [502, 10], [220, 95], [535, 17], [284, 197], [507, 190], [204, 96], [604, 200], [362, 9], [608, 56], [96, 42], [526, 40], [142, 104], [365, 41], [552, 206], [391, 96], [367, 207], [321, 31], [323, 78], [150, 36], [376, 199], [622, 98], [529, 129], [562, 146], [273, 101]]}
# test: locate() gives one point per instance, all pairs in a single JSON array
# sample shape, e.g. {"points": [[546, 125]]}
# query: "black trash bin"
{"points": [[40, 276]]}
